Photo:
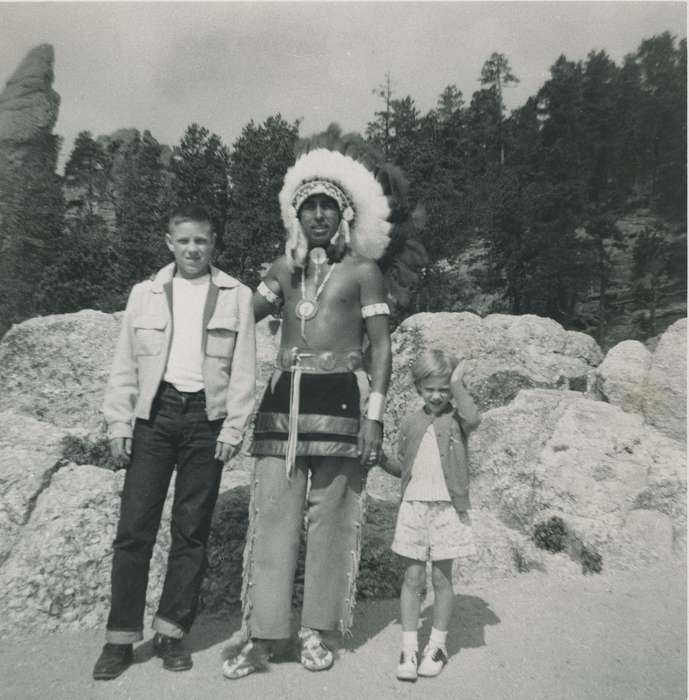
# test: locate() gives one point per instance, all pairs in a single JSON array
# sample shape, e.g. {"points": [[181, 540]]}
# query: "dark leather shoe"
{"points": [[113, 660], [173, 652]]}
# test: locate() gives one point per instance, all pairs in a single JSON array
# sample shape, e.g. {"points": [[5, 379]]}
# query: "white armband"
{"points": [[369, 310], [376, 406], [268, 294]]}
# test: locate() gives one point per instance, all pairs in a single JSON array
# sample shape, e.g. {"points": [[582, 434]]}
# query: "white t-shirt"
{"points": [[427, 481], [185, 362]]}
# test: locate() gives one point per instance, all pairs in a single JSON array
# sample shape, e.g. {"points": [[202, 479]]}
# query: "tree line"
{"points": [[542, 187]]}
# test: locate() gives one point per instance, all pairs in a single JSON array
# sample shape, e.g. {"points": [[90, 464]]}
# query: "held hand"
{"points": [[121, 451], [370, 440], [224, 451], [458, 373]]}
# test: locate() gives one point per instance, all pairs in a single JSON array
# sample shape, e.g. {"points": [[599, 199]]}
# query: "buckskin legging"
{"points": [[334, 504]]}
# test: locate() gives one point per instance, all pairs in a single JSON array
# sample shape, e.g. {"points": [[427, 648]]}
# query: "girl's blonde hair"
{"points": [[433, 363]]}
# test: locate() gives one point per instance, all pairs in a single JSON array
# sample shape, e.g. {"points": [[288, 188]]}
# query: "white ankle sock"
{"points": [[410, 641], [438, 638]]}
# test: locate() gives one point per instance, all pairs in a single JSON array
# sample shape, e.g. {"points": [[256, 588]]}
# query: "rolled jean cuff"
{"points": [[168, 628], [123, 636]]}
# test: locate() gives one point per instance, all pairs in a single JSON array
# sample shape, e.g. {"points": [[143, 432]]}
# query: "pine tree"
{"points": [[200, 167], [450, 102], [86, 175], [497, 74], [258, 162], [83, 271], [142, 196], [663, 71], [379, 130]]}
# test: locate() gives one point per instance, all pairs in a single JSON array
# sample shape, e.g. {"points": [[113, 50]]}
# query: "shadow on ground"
{"points": [[470, 617]]}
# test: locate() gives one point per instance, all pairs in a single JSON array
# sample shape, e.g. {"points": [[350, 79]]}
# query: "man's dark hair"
{"points": [[189, 212]]}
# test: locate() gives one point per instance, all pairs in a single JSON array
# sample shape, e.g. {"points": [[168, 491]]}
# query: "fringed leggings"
{"points": [[334, 509]]}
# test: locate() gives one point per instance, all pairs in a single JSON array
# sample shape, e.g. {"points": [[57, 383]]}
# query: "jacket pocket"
{"points": [[221, 334], [149, 334]]}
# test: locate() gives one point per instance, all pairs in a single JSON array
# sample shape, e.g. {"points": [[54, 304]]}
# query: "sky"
{"points": [[162, 66]]}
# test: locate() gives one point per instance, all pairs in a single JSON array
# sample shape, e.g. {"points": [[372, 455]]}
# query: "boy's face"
{"points": [[191, 242], [435, 392]]}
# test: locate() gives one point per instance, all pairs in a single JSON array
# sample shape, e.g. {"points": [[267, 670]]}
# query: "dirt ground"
{"points": [[618, 635]]}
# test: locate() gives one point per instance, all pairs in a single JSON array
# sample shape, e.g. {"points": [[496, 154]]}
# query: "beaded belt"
{"points": [[299, 360]]}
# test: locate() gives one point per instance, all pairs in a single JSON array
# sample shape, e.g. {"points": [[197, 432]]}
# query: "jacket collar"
{"points": [[218, 278]]}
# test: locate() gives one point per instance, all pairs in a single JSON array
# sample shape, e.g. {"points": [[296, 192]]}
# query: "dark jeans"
{"points": [[177, 434]]}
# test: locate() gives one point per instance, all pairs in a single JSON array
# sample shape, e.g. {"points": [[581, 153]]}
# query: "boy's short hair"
{"points": [[433, 363], [189, 212]]}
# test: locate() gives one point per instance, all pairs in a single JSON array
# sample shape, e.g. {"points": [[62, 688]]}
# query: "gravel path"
{"points": [[615, 636]]}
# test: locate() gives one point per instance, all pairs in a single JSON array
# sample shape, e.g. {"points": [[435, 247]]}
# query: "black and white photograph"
{"points": [[343, 350]]}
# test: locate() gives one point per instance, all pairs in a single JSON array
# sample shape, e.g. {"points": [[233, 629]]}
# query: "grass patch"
{"points": [[554, 536], [79, 450], [551, 535]]}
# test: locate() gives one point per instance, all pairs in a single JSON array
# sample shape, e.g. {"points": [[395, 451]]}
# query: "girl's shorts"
{"points": [[432, 530]]}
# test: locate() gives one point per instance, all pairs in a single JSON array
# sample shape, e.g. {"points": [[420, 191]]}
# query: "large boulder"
{"points": [[620, 379], [652, 384], [503, 355], [57, 575], [553, 453], [56, 368], [617, 483], [666, 394], [30, 453]]}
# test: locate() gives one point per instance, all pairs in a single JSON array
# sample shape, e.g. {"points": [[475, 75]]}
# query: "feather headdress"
{"points": [[364, 209]]}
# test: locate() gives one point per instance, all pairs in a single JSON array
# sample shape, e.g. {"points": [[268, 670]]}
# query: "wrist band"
{"points": [[376, 406], [268, 294]]}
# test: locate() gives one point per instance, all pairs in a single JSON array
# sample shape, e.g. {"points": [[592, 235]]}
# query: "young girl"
{"points": [[432, 522]]}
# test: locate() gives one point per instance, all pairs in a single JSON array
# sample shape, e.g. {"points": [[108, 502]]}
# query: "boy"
{"points": [[432, 522], [180, 393]]}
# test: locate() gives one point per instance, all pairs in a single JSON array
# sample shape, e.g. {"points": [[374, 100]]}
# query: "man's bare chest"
{"points": [[333, 290]]}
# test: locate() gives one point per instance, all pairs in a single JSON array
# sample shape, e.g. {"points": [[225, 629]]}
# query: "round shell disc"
{"points": [[306, 309]]}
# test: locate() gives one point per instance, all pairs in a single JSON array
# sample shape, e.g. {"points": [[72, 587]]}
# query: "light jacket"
{"points": [[452, 429], [229, 354]]}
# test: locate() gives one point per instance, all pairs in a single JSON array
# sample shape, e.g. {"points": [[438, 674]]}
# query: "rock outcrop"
{"points": [[608, 462], [590, 463], [619, 379], [30, 215], [28, 104], [666, 397], [653, 384], [30, 453], [57, 575], [503, 355], [56, 368]]}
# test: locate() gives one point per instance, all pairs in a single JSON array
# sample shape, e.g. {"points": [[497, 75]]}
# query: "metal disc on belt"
{"points": [[327, 360]]}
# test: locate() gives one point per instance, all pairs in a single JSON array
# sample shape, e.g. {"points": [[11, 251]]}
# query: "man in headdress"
{"points": [[319, 420]]}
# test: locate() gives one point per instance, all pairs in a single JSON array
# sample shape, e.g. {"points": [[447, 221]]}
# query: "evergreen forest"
{"points": [[532, 197]]}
